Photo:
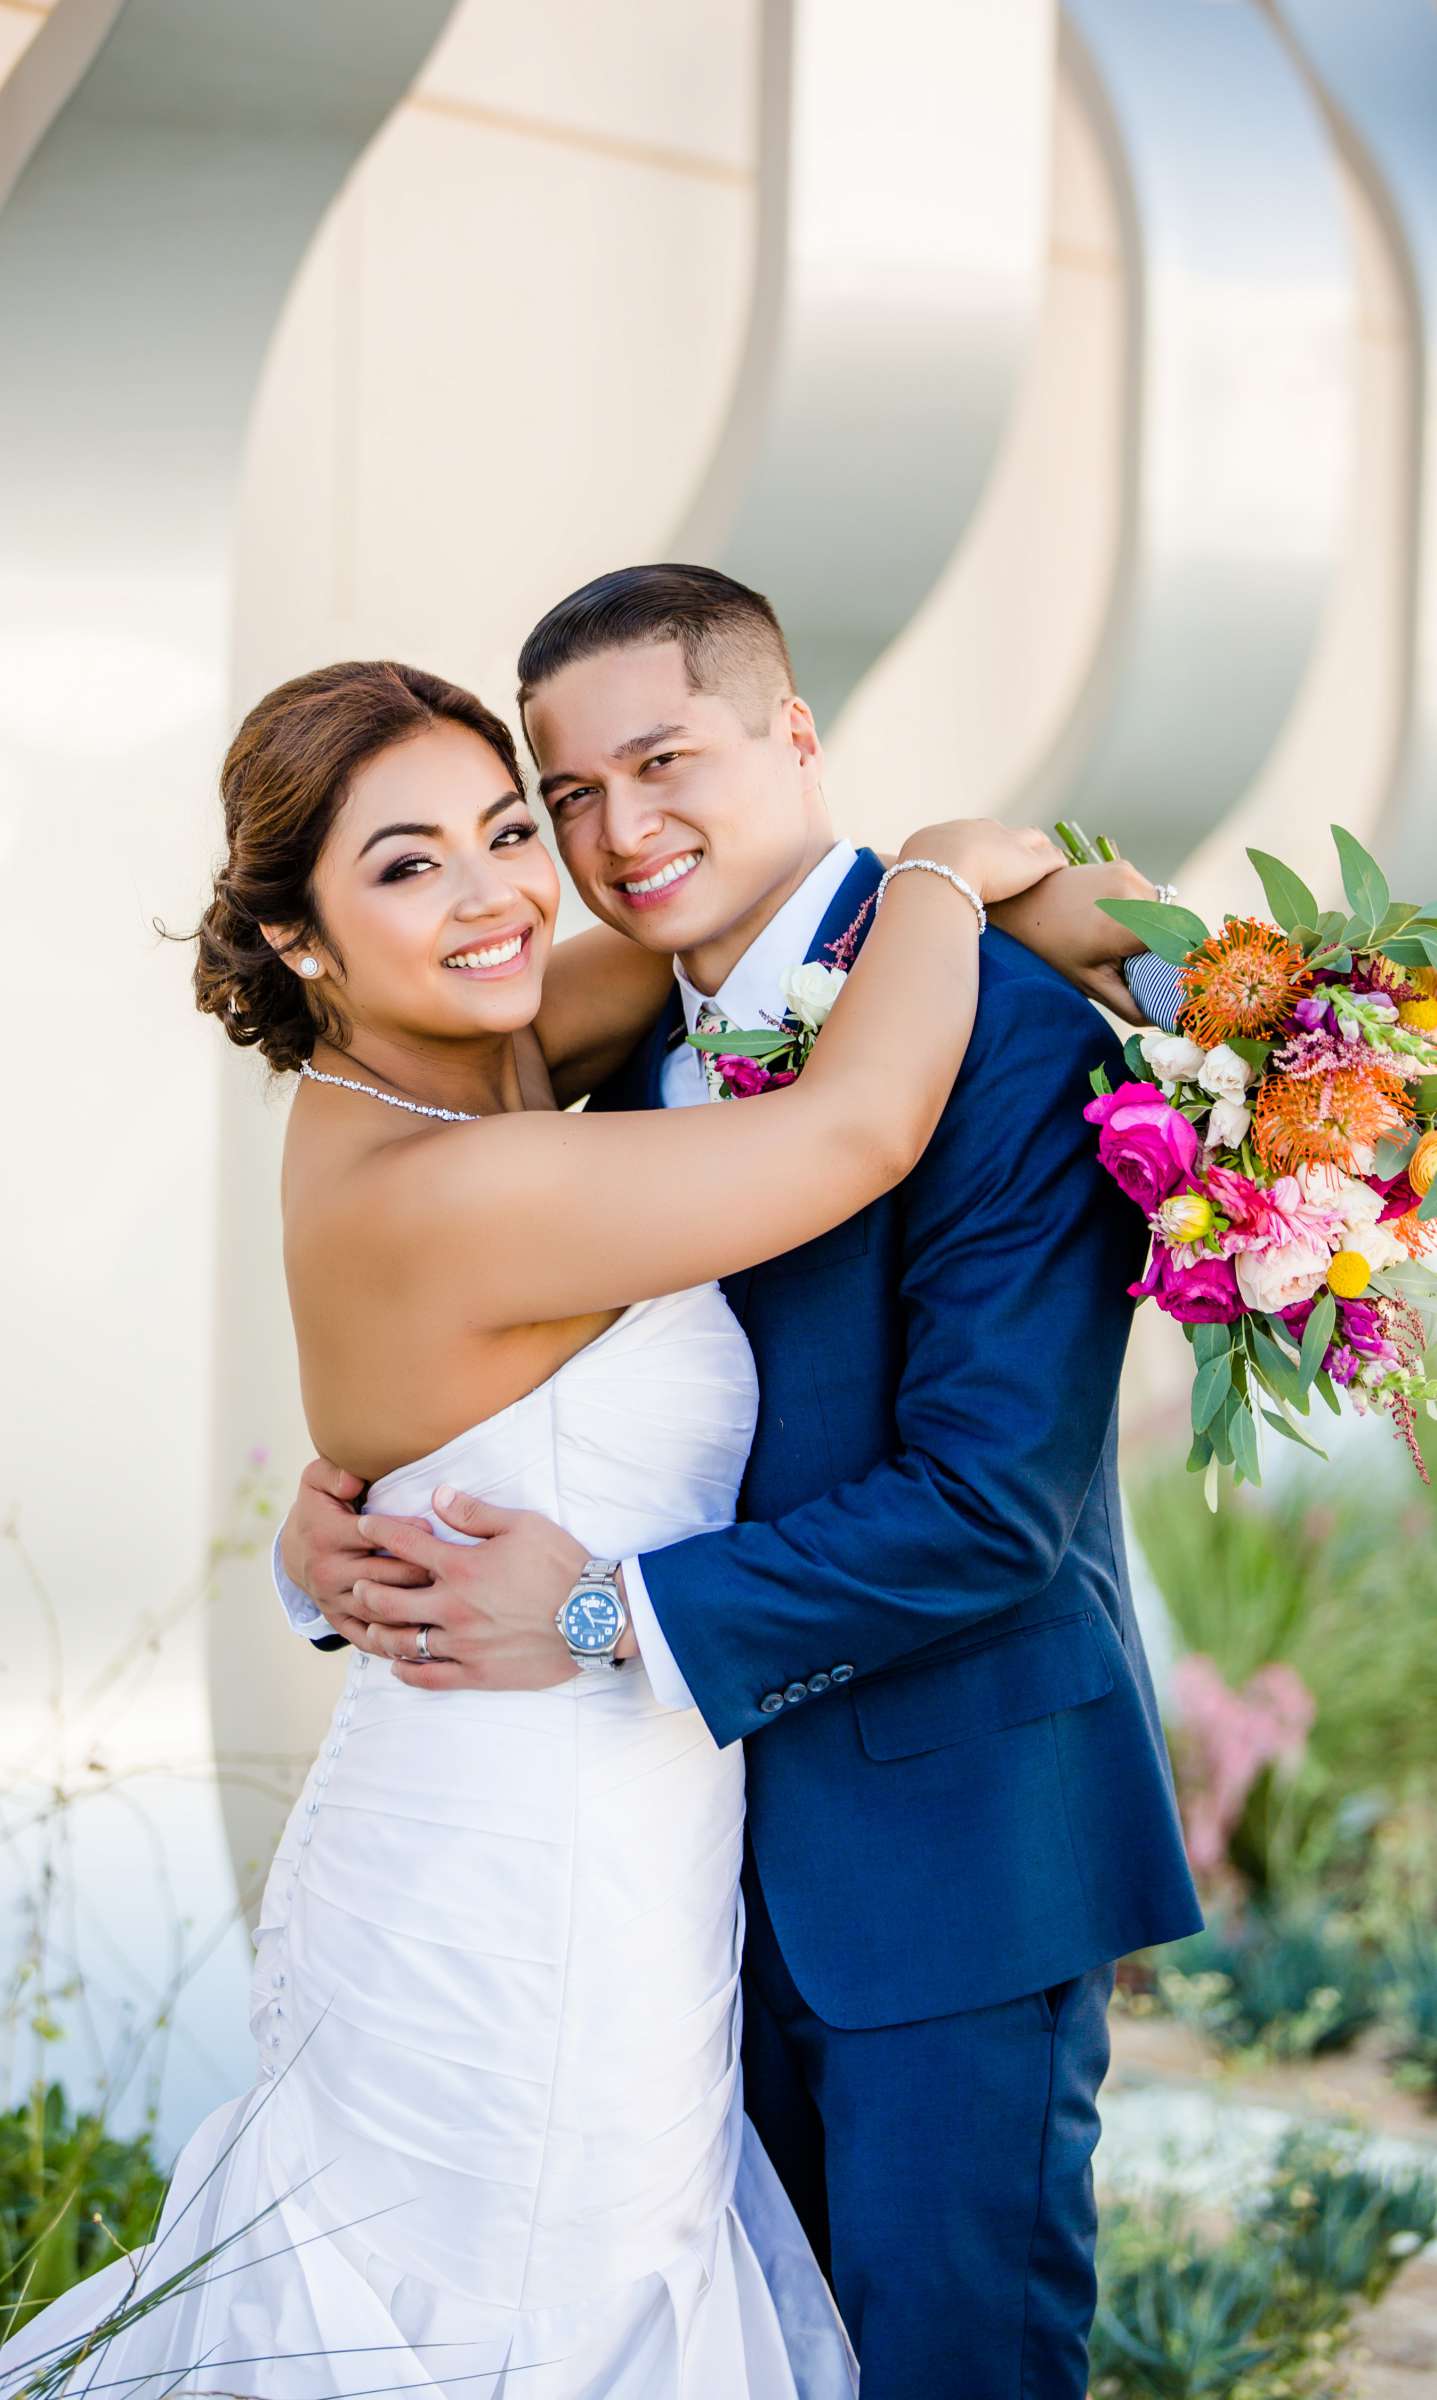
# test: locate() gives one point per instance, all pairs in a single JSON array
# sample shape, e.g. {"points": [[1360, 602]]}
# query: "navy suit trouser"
{"points": [[943, 2174]]}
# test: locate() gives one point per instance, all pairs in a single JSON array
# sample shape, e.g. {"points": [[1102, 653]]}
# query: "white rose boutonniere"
{"points": [[810, 992]]}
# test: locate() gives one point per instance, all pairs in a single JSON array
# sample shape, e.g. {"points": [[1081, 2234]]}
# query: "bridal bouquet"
{"points": [[1282, 1147]]}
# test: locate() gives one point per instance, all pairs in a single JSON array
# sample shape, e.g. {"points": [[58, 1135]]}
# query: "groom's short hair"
{"points": [[732, 642]]}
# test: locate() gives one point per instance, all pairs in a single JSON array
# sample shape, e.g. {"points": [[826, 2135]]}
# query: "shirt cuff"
{"points": [[655, 1656], [304, 1617], [1157, 988]]}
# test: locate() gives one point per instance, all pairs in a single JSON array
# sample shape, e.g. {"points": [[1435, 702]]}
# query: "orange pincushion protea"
{"points": [[1417, 1238], [1243, 981], [1324, 1120]]}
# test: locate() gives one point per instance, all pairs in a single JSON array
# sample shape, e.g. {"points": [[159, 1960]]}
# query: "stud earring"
{"points": [[309, 966]]}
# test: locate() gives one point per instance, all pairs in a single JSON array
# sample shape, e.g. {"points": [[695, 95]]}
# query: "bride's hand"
{"points": [[998, 860]]}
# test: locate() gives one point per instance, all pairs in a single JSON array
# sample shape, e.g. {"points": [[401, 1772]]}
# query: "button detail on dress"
{"points": [[819, 1683], [842, 1674], [771, 1703], [794, 1692]]}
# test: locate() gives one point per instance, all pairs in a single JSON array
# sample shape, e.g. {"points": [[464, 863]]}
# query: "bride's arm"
{"points": [[601, 995], [529, 1218]]}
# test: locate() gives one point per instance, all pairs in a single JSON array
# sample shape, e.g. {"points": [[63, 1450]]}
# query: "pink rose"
{"points": [[1147, 1146], [1271, 1216], [1194, 1287], [1271, 1281]]}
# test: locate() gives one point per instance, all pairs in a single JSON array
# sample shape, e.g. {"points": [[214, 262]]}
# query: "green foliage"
{"points": [[1343, 1590], [1412, 2011], [1281, 1985], [1169, 931], [1255, 2311], [71, 2196]]}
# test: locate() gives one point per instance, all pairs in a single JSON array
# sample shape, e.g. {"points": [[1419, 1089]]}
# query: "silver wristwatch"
{"points": [[594, 1620]]}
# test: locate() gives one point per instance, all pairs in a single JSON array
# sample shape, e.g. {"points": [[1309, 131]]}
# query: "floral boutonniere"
{"points": [[739, 1064]]}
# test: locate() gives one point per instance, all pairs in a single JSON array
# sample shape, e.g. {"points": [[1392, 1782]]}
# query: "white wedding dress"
{"points": [[497, 2147]]}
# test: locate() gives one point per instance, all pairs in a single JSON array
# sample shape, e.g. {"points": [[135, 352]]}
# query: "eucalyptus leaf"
{"points": [[1256, 1053], [1281, 1374], [1317, 1334], [1428, 1210], [1287, 895], [1291, 1434], [1362, 878], [1199, 1454], [1412, 949], [1210, 1341], [741, 1045], [1391, 1157], [1323, 1383], [1330, 924], [1170, 932], [1245, 1454], [1101, 1082], [1211, 1386]]}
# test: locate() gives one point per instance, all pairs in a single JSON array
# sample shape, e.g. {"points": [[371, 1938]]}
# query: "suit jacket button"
{"points": [[771, 1703], [796, 1692], [842, 1674], [819, 1683]]}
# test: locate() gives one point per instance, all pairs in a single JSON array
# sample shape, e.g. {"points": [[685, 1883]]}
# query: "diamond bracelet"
{"points": [[933, 866]]}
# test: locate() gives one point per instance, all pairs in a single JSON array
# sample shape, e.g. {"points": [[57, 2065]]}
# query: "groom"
{"points": [[959, 1808]]}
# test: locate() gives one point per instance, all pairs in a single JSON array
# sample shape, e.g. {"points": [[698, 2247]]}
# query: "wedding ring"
{"points": [[421, 1647]]}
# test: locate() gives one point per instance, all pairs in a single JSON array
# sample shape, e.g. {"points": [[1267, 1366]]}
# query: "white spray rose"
{"points": [[1378, 1244], [1271, 1280], [1171, 1056], [1227, 1125], [1224, 1074], [1346, 1196], [809, 993]]}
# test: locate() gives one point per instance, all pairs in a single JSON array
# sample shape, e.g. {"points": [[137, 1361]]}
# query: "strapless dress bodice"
{"points": [[636, 1441]]}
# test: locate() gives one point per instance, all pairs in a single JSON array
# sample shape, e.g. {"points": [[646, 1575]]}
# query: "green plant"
{"points": [[1412, 2010], [1279, 1984], [71, 2196], [1257, 2308], [1340, 2229], [1340, 1589]]}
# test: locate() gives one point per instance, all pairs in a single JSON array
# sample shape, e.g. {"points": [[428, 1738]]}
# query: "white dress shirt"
{"points": [[755, 986]]}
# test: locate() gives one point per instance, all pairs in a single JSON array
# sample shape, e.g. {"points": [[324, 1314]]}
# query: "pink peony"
{"points": [[1148, 1148], [1192, 1286]]}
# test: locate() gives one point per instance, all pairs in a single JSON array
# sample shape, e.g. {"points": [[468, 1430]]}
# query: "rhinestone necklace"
{"points": [[417, 1108]]}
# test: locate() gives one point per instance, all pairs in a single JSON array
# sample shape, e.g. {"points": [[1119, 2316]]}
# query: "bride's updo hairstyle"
{"points": [[283, 782]]}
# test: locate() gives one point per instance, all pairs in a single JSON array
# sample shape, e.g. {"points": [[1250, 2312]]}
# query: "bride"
{"points": [[496, 2146]]}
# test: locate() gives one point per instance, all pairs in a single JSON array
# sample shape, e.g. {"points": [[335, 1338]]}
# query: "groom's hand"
{"points": [[490, 1605], [1061, 920], [323, 1549]]}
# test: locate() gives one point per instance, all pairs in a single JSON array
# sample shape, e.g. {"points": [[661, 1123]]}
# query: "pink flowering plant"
{"points": [[1282, 1145]]}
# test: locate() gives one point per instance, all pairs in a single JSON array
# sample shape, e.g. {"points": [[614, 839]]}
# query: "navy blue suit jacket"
{"points": [[959, 1790]]}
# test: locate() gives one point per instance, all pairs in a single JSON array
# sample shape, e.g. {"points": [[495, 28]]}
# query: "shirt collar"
{"points": [[754, 986]]}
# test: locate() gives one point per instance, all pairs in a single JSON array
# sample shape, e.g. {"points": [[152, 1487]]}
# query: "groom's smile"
{"points": [[684, 816]]}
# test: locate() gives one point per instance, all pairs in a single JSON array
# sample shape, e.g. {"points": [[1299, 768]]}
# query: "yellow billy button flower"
{"points": [[1186, 1217], [1349, 1275], [1422, 1165], [1419, 1015]]}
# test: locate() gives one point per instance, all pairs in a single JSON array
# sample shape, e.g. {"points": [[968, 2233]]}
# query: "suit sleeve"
{"points": [[1017, 1253]]}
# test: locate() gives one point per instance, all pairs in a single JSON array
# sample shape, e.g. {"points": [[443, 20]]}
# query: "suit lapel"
{"points": [[858, 886]]}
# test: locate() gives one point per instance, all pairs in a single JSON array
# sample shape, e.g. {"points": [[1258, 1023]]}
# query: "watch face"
{"points": [[591, 1619]]}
